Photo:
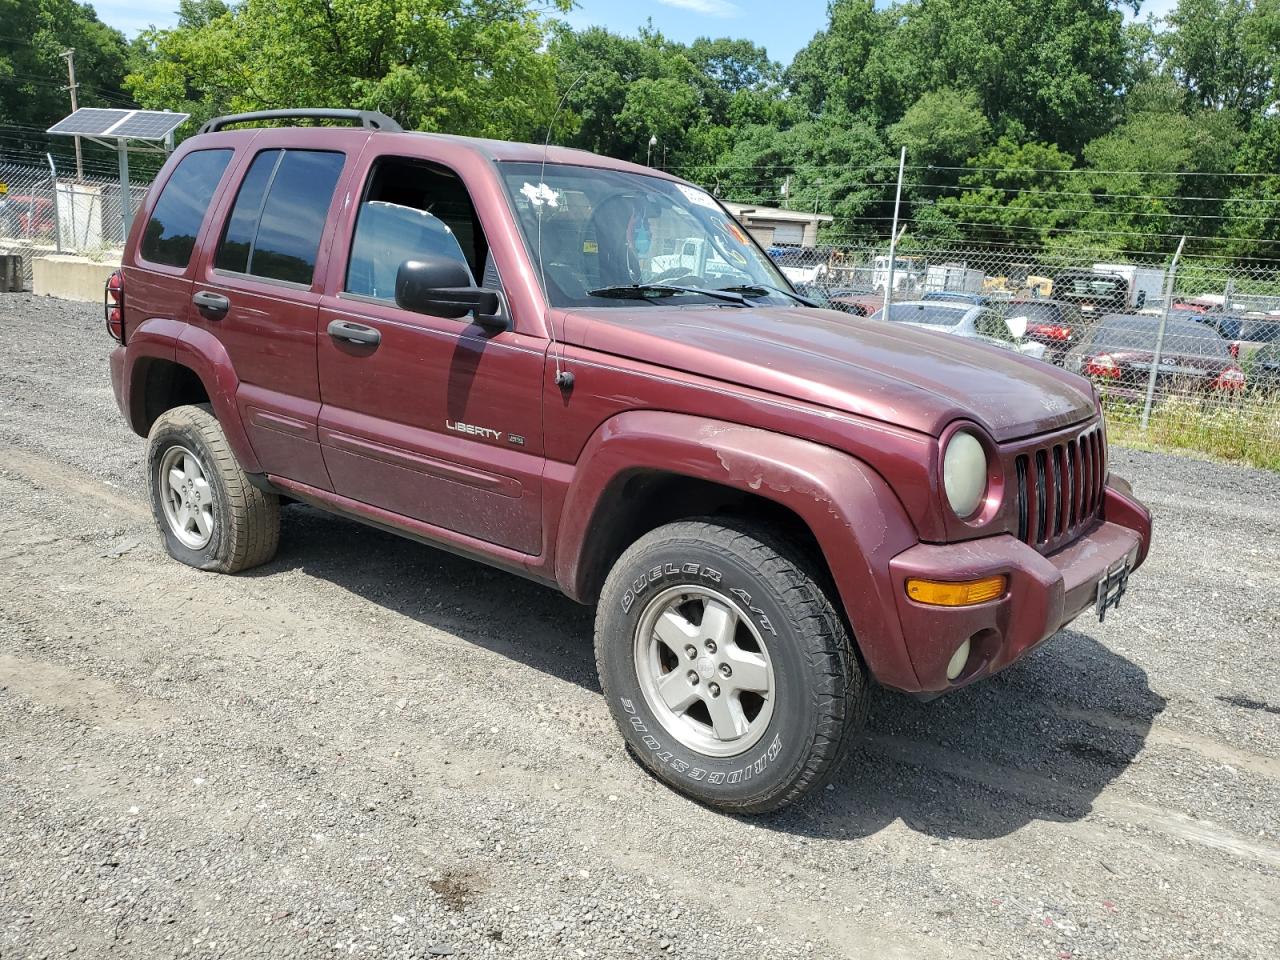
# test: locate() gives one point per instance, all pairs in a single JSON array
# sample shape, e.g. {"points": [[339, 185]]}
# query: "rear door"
{"points": [[258, 293], [435, 419], [158, 275]]}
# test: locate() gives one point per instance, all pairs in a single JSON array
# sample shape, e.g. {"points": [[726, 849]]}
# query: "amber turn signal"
{"points": [[962, 594]]}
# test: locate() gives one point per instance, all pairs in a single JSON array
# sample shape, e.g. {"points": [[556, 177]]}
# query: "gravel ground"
{"points": [[371, 748]]}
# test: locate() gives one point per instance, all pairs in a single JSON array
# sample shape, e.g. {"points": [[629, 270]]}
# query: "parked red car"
{"points": [[470, 343], [1119, 352], [26, 216]]}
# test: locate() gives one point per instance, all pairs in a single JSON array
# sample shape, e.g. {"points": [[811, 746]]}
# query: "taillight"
{"points": [[1051, 331], [1231, 378], [1102, 366], [113, 306], [1234, 349]]}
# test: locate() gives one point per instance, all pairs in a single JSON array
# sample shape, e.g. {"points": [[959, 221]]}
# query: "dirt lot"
{"points": [[370, 748]]}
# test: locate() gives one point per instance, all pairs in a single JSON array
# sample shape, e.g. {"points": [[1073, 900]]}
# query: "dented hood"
{"points": [[916, 378]]}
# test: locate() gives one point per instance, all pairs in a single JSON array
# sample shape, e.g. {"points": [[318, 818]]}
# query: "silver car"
{"points": [[966, 320]]}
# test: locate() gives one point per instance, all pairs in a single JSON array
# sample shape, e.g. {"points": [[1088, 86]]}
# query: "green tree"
{"points": [[1050, 69], [1222, 52], [476, 67], [1153, 167], [1252, 209], [693, 99], [838, 71], [1017, 194], [33, 75], [836, 165], [943, 127]]}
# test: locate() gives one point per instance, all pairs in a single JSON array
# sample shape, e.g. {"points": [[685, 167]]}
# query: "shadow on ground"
{"points": [[529, 623], [1040, 741]]}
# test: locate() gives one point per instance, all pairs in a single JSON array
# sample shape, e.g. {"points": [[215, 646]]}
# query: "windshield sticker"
{"points": [[730, 229], [590, 246], [540, 194], [698, 197]]}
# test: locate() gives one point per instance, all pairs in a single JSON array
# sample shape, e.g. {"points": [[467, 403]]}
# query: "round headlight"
{"points": [[964, 473]]}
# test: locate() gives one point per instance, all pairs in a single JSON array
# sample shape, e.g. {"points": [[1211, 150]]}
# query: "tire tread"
{"points": [[841, 694], [253, 535]]}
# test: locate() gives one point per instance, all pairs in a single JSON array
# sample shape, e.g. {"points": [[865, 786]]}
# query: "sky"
{"points": [[781, 26]]}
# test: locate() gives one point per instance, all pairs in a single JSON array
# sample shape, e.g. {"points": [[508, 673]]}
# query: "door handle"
{"points": [[354, 332], [213, 303]]}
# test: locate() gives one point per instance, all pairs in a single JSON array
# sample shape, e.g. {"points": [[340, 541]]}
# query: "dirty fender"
{"points": [[851, 511]]}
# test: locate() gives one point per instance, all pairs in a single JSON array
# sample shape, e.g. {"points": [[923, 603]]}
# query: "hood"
{"points": [[919, 379]]}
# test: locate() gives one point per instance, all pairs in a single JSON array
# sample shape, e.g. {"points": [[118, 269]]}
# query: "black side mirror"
{"points": [[442, 287]]}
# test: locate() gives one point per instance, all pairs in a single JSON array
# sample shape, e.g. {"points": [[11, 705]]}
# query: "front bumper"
{"points": [[1045, 592]]}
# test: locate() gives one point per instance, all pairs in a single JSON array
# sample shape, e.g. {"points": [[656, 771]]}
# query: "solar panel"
{"points": [[149, 124], [89, 121], [133, 124]]}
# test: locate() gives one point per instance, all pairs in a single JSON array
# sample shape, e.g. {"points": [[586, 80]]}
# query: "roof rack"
{"points": [[370, 119]]}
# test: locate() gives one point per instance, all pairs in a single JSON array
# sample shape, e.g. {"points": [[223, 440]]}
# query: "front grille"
{"points": [[1059, 488]]}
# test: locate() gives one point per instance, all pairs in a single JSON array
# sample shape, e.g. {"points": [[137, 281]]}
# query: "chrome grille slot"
{"points": [[1042, 504], [1058, 488], [1020, 468]]}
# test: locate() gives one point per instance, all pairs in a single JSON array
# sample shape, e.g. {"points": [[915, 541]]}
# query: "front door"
{"points": [[435, 419]]}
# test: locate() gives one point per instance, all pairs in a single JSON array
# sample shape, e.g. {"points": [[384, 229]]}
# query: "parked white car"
{"points": [[966, 320]]}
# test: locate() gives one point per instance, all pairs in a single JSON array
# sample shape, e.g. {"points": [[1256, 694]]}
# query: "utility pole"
{"points": [[1164, 320], [893, 237], [69, 55]]}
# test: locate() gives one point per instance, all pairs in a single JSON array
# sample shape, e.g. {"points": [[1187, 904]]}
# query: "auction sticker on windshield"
{"points": [[696, 196]]}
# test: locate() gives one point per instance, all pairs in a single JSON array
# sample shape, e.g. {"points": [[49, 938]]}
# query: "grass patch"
{"points": [[1241, 430]]}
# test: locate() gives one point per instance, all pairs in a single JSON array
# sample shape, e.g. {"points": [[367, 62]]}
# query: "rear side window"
{"points": [[275, 226], [170, 234]]}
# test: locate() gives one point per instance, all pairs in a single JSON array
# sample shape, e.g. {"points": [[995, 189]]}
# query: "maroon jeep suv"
{"points": [[586, 372]]}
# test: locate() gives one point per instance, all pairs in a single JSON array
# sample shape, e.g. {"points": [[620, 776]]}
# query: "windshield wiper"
{"points": [[764, 289], [637, 291]]}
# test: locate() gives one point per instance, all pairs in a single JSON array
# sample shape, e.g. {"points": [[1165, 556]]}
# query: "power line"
{"points": [[1036, 191], [978, 252], [1008, 171]]}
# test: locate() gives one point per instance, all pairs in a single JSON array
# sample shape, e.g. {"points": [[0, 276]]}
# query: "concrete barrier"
{"points": [[69, 277]]}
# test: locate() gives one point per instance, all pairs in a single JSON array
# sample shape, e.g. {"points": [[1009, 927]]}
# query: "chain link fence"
{"points": [[43, 211], [1184, 354]]}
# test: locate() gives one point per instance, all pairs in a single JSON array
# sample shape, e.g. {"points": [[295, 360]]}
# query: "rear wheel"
{"points": [[209, 514], [726, 666]]}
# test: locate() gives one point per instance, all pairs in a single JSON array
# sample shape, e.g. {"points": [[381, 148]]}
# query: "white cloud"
{"points": [[711, 8]]}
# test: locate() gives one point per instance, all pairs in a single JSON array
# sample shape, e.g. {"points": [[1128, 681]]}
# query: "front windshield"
{"points": [[597, 237]]}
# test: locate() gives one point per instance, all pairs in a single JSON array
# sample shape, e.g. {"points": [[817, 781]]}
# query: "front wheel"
{"points": [[725, 665]]}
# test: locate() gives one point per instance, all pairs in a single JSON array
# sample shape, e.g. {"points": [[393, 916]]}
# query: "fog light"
{"points": [[958, 659], [956, 594]]}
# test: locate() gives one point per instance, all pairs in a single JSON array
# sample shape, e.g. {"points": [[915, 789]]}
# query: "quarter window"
{"points": [[170, 234], [279, 215]]}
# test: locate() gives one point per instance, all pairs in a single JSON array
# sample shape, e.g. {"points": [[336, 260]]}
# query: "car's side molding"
{"points": [[816, 483]]}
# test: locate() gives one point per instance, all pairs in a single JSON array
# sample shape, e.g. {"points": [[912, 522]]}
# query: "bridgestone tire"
{"points": [[820, 687], [246, 520]]}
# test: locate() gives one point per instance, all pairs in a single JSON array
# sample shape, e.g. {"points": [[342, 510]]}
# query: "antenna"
{"points": [[564, 379]]}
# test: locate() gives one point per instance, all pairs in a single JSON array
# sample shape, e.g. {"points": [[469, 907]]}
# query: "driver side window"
{"points": [[411, 209]]}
